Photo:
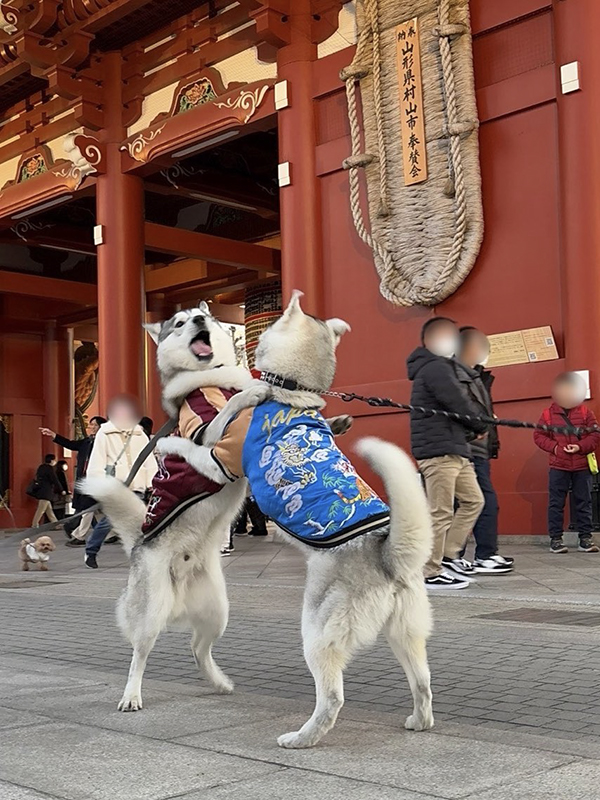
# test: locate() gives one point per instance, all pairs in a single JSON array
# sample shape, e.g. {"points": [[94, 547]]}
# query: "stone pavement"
{"points": [[515, 678]]}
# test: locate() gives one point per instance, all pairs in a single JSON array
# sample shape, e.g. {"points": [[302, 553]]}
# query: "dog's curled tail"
{"points": [[124, 509], [411, 535]]}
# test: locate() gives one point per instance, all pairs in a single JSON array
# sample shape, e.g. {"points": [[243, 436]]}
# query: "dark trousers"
{"points": [[257, 518], [485, 530], [580, 483]]}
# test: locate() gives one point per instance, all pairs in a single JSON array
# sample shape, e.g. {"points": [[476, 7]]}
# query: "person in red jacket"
{"points": [[569, 468]]}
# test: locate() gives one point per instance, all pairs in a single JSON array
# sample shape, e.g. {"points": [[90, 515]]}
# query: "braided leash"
{"points": [[385, 402]]}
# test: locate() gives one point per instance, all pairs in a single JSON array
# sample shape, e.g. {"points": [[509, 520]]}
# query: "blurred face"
{"points": [[569, 392], [123, 412], [53, 462], [442, 339], [476, 350], [92, 428]]}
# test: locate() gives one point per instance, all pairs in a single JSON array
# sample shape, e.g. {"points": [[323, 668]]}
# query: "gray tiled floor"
{"points": [[517, 701]]}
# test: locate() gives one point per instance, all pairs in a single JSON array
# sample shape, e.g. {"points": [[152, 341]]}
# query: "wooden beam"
{"points": [[180, 273], [50, 288], [55, 237], [177, 241], [234, 191]]}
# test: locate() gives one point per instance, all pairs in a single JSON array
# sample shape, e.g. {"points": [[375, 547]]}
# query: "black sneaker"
{"points": [[74, 542], [587, 545], [558, 546], [90, 561], [446, 581], [258, 532], [461, 566], [112, 540]]}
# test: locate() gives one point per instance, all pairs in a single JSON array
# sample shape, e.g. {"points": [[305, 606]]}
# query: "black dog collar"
{"points": [[284, 383]]}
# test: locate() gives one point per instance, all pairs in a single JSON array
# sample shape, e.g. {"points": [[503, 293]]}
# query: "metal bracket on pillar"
{"points": [[98, 235], [284, 175], [282, 98]]}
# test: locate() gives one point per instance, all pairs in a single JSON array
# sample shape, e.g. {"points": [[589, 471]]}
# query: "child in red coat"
{"points": [[569, 468]]}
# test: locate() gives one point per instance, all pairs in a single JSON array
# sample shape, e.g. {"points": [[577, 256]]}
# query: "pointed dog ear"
{"points": [[153, 330], [293, 306], [339, 328], [203, 308]]}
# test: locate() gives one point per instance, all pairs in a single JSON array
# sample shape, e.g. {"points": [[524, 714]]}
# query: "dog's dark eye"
{"points": [[179, 324]]}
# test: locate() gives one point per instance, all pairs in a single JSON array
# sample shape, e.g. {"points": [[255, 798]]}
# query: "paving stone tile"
{"points": [[85, 763], [303, 785], [387, 756], [572, 782]]}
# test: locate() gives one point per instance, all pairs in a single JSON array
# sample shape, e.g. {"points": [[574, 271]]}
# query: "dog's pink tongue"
{"points": [[199, 348]]}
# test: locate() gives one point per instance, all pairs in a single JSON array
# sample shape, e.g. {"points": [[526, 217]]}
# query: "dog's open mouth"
{"points": [[200, 346]]}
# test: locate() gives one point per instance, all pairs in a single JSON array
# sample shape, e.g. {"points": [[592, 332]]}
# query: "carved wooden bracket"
{"points": [[229, 110], [43, 53]]}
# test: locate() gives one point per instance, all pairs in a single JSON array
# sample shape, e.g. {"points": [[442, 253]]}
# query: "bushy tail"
{"points": [[411, 535], [124, 509]]}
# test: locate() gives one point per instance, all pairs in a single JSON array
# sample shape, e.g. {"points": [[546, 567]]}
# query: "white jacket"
{"points": [[107, 448]]}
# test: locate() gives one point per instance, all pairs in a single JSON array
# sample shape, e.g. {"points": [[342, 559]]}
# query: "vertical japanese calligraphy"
{"points": [[412, 114]]}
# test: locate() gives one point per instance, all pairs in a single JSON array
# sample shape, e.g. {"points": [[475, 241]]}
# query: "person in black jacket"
{"points": [[441, 447], [47, 485], [83, 448], [474, 350]]}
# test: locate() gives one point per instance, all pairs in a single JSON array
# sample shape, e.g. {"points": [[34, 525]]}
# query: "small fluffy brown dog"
{"points": [[36, 552]]}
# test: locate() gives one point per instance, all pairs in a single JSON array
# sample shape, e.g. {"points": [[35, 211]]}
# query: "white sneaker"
{"points": [[491, 566], [225, 551], [446, 581], [505, 560], [461, 566]]}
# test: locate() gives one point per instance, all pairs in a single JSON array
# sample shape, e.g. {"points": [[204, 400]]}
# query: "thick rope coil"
{"points": [[455, 186], [372, 12], [359, 161]]}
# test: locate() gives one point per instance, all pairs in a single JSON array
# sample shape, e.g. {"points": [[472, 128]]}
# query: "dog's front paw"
{"points": [[340, 425], [256, 394], [131, 702], [173, 446], [295, 741], [414, 723]]}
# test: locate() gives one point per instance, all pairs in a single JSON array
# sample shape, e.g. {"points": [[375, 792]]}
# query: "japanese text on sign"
{"points": [[412, 116]]}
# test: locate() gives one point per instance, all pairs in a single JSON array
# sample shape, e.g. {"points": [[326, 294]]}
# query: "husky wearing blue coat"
{"points": [[365, 558]]}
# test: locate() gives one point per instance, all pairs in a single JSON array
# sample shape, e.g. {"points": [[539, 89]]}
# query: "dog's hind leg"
{"points": [[208, 611], [326, 661], [409, 646], [132, 696], [142, 615]]}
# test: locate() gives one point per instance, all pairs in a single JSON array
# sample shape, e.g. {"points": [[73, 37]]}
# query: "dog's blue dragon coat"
{"points": [[298, 475]]}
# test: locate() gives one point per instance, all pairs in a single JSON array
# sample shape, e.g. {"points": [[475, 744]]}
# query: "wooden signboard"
{"points": [[412, 113], [522, 347]]}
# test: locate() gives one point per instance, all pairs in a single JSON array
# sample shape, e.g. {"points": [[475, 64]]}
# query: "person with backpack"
{"points": [[43, 489], [571, 456], [118, 443], [77, 530]]}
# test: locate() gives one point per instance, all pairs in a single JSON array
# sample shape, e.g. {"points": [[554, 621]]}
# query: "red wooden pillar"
{"points": [[120, 211], [300, 202], [58, 389], [576, 25], [157, 312]]}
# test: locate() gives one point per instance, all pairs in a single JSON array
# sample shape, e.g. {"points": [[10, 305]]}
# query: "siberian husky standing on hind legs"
{"points": [[365, 560], [174, 546]]}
